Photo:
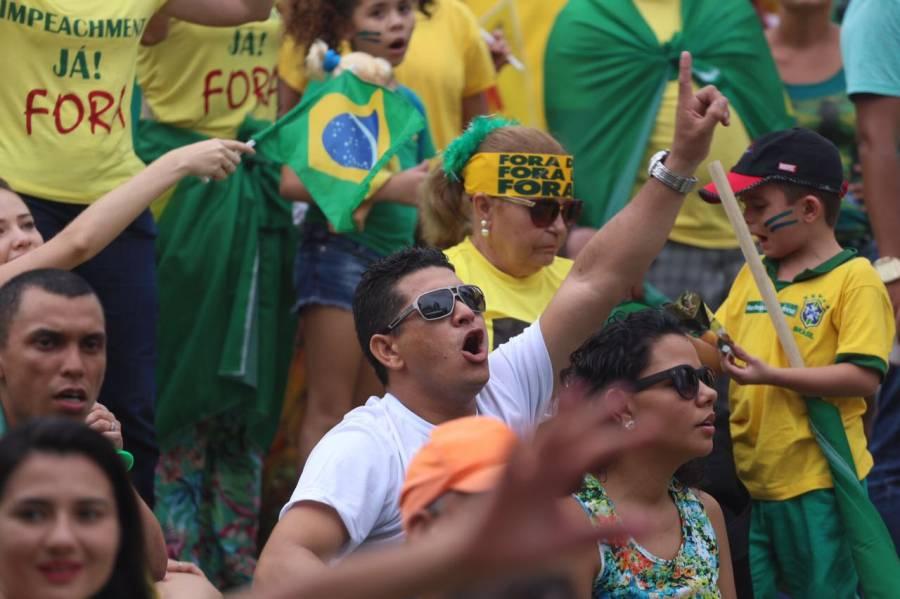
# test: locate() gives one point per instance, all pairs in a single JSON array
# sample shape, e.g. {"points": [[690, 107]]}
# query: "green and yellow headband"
{"points": [[518, 175]]}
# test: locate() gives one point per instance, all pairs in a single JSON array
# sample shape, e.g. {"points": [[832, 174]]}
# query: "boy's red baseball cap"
{"points": [[796, 155]]}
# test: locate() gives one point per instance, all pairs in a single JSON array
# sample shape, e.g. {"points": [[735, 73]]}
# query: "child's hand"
{"points": [[361, 214], [753, 372], [405, 185], [499, 49], [213, 158]]}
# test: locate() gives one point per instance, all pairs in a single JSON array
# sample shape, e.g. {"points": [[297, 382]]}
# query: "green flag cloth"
{"points": [[340, 140], [873, 549], [605, 73], [224, 261]]}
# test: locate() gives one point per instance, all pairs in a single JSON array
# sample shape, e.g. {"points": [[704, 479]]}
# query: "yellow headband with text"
{"points": [[519, 175]]}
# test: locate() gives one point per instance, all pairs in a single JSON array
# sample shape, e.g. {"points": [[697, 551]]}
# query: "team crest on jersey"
{"points": [[813, 310]]}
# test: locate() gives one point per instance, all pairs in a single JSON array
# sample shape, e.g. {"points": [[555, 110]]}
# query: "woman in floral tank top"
{"points": [[649, 366]]}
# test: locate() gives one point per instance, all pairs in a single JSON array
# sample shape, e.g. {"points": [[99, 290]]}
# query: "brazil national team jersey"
{"points": [[839, 312]]}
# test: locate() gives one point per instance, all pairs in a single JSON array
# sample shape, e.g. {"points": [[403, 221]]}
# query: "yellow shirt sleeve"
{"points": [[865, 321], [479, 67]]}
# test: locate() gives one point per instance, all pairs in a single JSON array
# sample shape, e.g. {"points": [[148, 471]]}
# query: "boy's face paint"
{"points": [[768, 215], [383, 28], [781, 220]]}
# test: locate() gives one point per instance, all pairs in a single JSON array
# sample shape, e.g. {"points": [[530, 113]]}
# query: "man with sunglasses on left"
{"points": [[430, 350]]}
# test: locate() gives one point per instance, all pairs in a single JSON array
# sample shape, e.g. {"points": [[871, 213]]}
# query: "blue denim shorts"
{"points": [[328, 268]]}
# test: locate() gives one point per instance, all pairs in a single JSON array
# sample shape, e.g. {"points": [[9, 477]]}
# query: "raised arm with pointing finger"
{"points": [[436, 368], [617, 256]]}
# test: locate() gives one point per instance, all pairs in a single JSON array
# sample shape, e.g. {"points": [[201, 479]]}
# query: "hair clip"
{"points": [[457, 154], [331, 61]]}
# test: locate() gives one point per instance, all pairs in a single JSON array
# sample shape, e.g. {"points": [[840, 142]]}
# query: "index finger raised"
{"points": [[685, 89]]}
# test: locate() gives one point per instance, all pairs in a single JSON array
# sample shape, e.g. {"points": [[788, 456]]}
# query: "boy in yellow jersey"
{"points": [[791, 184]]}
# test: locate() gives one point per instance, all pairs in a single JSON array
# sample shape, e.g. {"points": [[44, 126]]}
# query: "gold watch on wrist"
{"points": [[888, 268]]}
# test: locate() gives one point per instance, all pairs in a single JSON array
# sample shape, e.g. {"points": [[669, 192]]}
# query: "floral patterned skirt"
{"points": [[208, 497]]}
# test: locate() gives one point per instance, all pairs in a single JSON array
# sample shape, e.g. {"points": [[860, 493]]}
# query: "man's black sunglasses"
{"points": [[686, 379], [439, 303]]}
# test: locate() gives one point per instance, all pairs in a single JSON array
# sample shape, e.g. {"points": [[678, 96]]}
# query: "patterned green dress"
{"points": [[630, 571]]}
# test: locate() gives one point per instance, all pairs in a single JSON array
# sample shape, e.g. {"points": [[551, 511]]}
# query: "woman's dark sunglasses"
{"points": [[439, 303], [544, 212], [686, 379]]}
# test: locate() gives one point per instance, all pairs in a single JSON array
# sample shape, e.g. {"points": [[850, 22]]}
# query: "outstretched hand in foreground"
{"points": [[518, 526]]}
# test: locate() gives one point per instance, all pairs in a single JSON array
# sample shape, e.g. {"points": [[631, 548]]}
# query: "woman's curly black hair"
{"points": [[618, 353]]}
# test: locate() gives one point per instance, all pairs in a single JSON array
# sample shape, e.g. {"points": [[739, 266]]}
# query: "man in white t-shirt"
{"points": [[423, 332]]}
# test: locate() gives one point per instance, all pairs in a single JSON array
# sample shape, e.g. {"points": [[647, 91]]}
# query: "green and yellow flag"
{"points": [[340, 140]]}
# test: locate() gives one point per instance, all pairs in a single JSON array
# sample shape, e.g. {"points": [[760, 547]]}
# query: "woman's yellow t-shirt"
{"points": [[209, 79], [513, 303], [66, 95]]}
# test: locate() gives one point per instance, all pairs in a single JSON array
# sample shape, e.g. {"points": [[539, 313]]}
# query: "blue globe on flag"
{"points": [[352, 141]]}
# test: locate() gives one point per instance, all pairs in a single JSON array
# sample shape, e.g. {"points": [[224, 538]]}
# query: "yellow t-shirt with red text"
{"points": [[66, 95], [209, 79]]}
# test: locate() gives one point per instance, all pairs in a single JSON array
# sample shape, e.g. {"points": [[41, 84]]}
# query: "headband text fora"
{"points": [[519, 175]]}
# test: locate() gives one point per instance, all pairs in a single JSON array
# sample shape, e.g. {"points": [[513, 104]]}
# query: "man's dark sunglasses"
{"points": [[439, 303], [686, 379], [544, 212]]}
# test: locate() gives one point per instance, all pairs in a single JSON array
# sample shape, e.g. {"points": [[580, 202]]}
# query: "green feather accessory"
{"points": [[461, 149]]}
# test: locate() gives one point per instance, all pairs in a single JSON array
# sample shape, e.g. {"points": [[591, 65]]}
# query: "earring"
{"points": [[629, 424], [484, 228]]}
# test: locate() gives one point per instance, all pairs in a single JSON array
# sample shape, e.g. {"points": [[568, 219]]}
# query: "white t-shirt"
{"points": [[358, 467]]}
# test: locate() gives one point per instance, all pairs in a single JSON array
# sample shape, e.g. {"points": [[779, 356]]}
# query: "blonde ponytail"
{"points": [[445, 210]]}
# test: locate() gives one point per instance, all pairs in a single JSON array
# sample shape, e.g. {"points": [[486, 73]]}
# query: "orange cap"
{"points": [[466, 455]]}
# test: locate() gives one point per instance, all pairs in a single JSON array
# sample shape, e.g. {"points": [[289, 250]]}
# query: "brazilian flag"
{"points": [[340, 140]]}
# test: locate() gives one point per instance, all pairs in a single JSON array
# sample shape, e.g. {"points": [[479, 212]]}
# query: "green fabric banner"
{"points": [[224, 262], [339, 140], [873, 549], [605, 73]]}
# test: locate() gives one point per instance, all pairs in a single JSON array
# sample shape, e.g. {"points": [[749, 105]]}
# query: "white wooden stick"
{"points": [[763, 282]]}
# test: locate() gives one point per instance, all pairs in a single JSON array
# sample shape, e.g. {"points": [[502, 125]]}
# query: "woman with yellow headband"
{"points": [[500, 207]]}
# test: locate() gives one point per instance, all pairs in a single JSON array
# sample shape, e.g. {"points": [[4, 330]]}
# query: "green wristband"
{"points": [[127, 459]]}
